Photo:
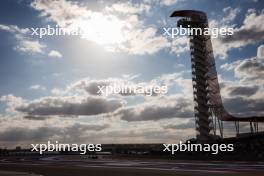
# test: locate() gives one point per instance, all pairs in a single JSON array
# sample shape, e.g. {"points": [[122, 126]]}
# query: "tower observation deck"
{"points": [[208, 107]]}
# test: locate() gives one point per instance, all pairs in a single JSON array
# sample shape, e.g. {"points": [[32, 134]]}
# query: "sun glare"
{"points": [[102, 29]]}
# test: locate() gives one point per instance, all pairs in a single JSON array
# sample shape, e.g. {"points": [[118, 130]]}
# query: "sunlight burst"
{"points": [[102, 29]]}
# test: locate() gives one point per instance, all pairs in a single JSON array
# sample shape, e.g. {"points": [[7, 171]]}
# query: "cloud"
{"points": [[169, 2], [54, 53], [81, 99], [244, 106], [242, 100], [13, 29], [152, 109], [250, 32], [71, 131], [162, 108], [61, 11], [249, 71], [190, 124], [24, 44], [69, 106], [163, 2], [91, 86], [231, 14], [244, 96], [30, 117], [76, 132], [26, 134], [157, 108], [122, 31], [145, 41], [127, 84], [177, 80], [180, 45], [260, 53], [28, 46], [42, 133], [12, 102], [37, 87], [243, 91], [129, 7]]}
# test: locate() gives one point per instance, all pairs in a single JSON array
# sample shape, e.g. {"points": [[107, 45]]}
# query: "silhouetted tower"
{"points": [[208, 106], [201, 57]]}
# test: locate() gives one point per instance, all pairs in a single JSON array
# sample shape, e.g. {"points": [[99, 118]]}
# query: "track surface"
{"points": [[76, 166]]}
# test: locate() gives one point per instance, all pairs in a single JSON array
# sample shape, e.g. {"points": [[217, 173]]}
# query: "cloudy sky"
{"points": [[49, 85]]}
